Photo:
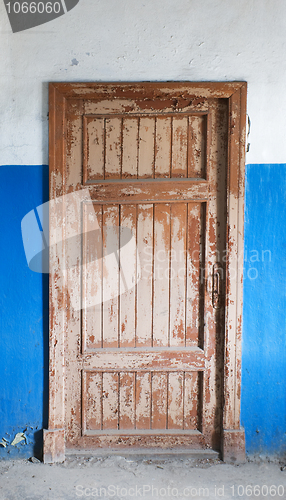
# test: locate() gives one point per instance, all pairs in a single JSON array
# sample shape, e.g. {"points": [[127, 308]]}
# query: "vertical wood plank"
{"points": [[128, 270], [74, 143], [179, 147], [163, 147], [127, 401], [197, 146], [58, 319], [195, 255], [178, 274], [159, 400], [110, 292], [67, 284], [175, 400], [145, 284], [110, 400], [92, 276], [219, 117], [191, 400], [143, 400], [146, 147], [161, 275], [240, 246], [113, 127], [94, 148], [234, 269], [129, 147], [92, 401]]}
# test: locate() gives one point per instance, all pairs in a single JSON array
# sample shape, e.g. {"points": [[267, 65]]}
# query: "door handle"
{"points": [[216, 295]]}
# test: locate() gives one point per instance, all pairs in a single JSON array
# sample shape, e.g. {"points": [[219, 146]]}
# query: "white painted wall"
{"points": [[136, 40]]}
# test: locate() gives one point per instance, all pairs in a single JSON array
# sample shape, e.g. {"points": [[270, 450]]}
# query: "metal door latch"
{"points": [[216, 295]]}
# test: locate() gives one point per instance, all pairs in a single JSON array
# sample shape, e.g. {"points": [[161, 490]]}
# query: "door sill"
{"points": [[149, 453]]}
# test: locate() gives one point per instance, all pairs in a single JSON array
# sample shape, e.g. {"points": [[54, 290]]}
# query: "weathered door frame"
{"points": [[233, 445]]}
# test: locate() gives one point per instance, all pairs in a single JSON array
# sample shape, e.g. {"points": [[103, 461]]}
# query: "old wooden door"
{"points": [[143, 287]]}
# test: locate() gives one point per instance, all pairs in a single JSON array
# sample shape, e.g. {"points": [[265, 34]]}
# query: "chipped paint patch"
{"points": [[20, 436]]}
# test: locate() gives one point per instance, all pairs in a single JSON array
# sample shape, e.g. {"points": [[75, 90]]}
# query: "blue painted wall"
{"points": [[263, 407], [24, 313], [24, 316]]}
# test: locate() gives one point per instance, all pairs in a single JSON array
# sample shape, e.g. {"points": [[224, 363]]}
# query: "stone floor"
{"points": [[141, 476]]}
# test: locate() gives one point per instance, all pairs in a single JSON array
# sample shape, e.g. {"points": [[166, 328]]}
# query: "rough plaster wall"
{"points": [[115, 40]]}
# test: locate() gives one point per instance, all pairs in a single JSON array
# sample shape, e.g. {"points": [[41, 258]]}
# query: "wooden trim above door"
{"points": [[177, 94]]}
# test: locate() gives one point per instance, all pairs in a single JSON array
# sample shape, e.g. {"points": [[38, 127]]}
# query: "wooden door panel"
{"points": [[127, 402], [134, 147], [130, 131], [193, 400], [145, 239], [175, 403], [165, 308], [110, 400], [148, 359], [143, 400], [110, 275], [92, 288], [112, 148], [94, 143], [161, 274], [195, 267], [197, 142], [159, 391], [92, 395], [163, 146], [178, 275], [139, 402], [179, 165], [146, 154], [130, 268]]}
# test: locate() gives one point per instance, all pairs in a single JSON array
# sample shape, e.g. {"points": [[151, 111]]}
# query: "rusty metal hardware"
{"points": [[216, 295]]}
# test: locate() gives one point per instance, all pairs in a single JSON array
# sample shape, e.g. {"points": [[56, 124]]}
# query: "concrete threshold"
{"points": [[147, 452]]}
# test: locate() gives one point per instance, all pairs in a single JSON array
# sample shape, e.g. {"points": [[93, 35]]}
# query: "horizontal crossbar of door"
{"points": [[158, 180], [149, 191], [155, 114], [119, 360], [141, 432]]}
